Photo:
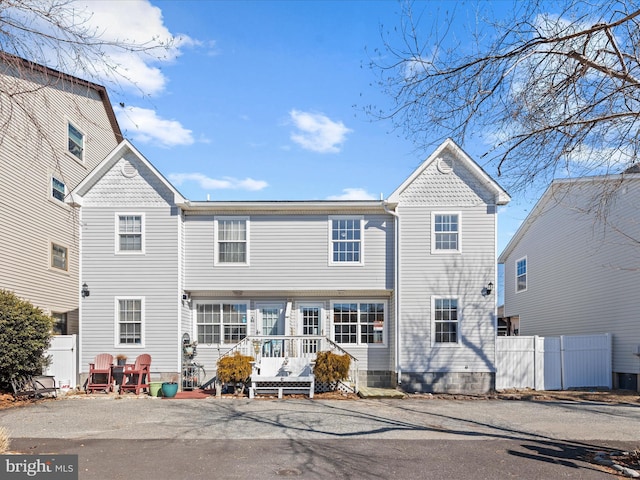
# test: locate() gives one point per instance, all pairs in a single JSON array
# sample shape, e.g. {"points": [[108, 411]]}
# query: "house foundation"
{"points": [[448, 382]]}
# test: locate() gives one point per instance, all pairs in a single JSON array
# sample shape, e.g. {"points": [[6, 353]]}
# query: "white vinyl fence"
{"points": [[554, 363], [63, 353]]}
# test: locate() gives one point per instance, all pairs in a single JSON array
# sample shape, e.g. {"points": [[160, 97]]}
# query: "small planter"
{"points": [[169, 389], [155, 389]]}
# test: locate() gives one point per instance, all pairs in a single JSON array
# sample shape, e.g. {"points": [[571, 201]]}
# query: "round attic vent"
{"points": [[128, 169], [443, 166]]}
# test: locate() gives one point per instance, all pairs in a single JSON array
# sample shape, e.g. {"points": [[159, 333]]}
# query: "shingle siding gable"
{"points": [[117, 189], [435, 188]]}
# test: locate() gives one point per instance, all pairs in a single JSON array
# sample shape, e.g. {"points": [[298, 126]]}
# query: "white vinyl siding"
{"points": [[585, 283], [232, 240], [346, 240], [288, 252]]}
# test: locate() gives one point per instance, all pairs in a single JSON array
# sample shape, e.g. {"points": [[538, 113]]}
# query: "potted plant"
{"points": [[121, 359], [169, 389]]}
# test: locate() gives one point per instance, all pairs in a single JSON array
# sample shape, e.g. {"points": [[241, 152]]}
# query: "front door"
{"points": [[271, 322], [310, 324]]}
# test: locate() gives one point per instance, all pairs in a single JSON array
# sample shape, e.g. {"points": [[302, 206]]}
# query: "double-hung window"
{"points": [[59, 257], [130, 315], [521, 275], [445, 232], [58, 189], [359, 323], [75, 142], [346, 240], [130, 233], [232, 240], [445, 317], [59, 323], [221, 322]]}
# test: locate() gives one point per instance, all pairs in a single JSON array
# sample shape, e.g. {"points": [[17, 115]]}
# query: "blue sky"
{"points": [[263, 100]]}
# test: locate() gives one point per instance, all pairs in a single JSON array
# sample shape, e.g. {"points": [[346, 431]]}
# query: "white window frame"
{"points": [[358, 218], [526, 274], [359, 323], [216, 242], [116, 339], [220, 303], [68, 137], [51, 256], [434, 343], [56, 178], [437, 251], [118, 233]]}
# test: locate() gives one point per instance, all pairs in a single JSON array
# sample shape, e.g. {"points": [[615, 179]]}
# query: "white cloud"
{"points": [[317, 132], [353, 194], [226, 183], [134, 22], [145, 126]]}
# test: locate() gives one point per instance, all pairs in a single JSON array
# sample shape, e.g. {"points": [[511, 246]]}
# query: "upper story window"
{"points": [[359, 323], [58, 189], [445, 320], [76, 142], [232, 244], [59, 257], [445, 232], [222, 322], [130, 233], [521, 274], [346, 240], [130, 316]]}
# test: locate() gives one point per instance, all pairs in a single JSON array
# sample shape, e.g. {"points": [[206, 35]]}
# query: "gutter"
{"points": [[396, 280]]}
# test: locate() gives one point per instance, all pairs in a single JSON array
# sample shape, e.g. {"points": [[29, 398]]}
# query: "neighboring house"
{"points": [[400, 284], [572, 267], [54, 129]]}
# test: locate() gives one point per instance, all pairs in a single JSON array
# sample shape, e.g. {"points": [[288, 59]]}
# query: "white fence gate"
{"points": [[63, 353], [554, 363]]}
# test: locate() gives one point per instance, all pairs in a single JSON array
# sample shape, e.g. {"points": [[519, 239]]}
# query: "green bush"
{"points": [[235, 369], [331, 367], [25, 333]]}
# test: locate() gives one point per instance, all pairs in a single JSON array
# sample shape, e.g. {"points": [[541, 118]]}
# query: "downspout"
{"points": [[396, 295]]}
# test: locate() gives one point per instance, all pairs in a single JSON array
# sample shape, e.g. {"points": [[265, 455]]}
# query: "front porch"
{"points": [[284, 364]]}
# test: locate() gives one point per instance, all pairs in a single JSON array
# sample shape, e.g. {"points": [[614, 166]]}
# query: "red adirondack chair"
{"points": [[136, 376], [100, 376]]}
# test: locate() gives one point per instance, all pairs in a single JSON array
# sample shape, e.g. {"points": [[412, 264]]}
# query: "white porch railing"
{"points": [[293, 346]]}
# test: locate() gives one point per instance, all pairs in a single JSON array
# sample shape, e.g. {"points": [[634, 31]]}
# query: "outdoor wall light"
{"points": [[488, 289], [85, 290]]}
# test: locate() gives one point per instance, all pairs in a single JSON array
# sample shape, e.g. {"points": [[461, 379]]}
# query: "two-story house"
{"points": [[402, 284], [54, 129], [572, 266]]}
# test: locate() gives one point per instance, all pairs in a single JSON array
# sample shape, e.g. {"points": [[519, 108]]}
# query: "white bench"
{"points": [[279, 375], [294, 384]]}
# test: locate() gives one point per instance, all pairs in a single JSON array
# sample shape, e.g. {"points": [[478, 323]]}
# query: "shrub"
{"points": [[4, 440], [234, 369], [25, 333], [331, 367]]}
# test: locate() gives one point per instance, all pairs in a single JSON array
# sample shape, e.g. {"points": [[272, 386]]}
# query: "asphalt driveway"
{"points": [[240, 438]]}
